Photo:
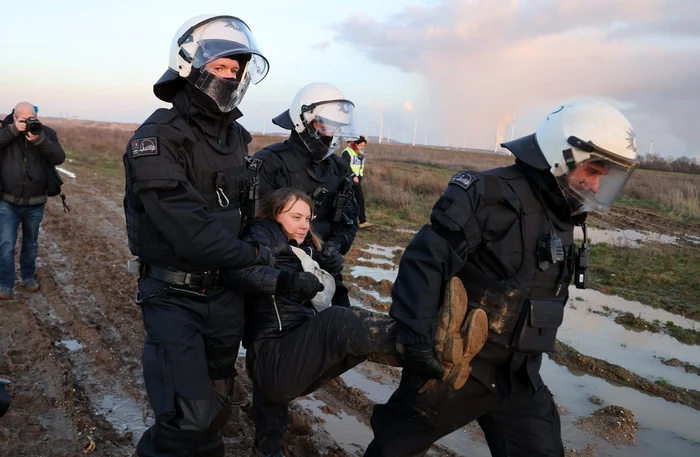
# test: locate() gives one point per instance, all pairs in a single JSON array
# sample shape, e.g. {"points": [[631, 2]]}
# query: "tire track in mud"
{"points": [[569, 357], [50, 413]]}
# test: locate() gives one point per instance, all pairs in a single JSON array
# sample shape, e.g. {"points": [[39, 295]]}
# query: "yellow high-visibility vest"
{"points": [[357, 163]]}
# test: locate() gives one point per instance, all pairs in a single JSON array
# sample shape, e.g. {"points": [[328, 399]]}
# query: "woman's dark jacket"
{"points": [[270, 315]]}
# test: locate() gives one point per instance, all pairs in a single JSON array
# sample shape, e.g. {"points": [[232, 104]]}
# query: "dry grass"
{"points": [[674, 192], [402, 181], [436, 157]]}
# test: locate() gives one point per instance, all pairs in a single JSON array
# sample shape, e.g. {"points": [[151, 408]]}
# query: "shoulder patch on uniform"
{"points": [[145, 147], [463, 179]]}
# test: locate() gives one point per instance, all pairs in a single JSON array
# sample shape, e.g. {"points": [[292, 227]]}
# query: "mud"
{"points": [[570, 357], [644, 220], [73, 352], [383, 286], [688, 367], [613, 423], [368, 299], [684, 335], [73, 349]]}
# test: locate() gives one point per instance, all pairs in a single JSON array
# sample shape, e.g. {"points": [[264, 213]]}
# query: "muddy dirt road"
{"points": [[73, 353]]}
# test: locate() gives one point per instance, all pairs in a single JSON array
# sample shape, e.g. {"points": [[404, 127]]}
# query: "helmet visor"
{"points": [[227, 37], [328, 124], [593, 185]]}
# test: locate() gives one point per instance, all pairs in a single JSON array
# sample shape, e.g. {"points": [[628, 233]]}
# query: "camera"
{"points": [[33, 125]]}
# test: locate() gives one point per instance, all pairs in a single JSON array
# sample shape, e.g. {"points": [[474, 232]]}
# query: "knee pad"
{"points": [[222, 362]]}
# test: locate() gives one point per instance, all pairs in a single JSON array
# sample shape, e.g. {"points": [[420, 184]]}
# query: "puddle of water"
{"points": [[375, 273], [71, 345], [595, 300], [670, 428], [383, 251], [459, 440], [376, 260], [66, 172], [626, 238], [375, 391], [349, 432], [599, 336], [124, 413], [376, 295]]}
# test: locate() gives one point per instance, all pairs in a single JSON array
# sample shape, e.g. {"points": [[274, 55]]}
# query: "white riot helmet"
{"points": [[589, 147], [322, 117], [203, 39]]}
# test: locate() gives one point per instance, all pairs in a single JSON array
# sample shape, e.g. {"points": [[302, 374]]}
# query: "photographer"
{"points": [[26, 148]]}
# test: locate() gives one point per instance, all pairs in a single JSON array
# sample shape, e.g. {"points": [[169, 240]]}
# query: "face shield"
{"points": [[227, 38], [593, 184], [327, 125]]}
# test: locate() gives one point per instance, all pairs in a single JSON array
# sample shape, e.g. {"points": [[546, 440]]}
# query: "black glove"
{"points": [[420, 360], [264, 255], [331, 259], [341, 295], [302, 284]]}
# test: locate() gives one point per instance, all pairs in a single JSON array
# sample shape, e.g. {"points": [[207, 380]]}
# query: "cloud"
{"points": [[484, 60], [322, 46]]}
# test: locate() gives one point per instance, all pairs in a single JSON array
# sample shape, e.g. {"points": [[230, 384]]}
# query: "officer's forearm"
{"points": [[344, 236], [428, 262], [258, 279], [192, 233]]}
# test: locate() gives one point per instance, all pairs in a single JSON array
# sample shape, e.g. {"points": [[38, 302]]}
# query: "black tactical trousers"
{"points": [[360, 198], [188, 366], [524, 424], [299, 362]]}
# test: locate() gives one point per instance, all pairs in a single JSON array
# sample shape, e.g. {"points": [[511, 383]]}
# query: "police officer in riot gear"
{"points": [[185, 170], [508, 234], [319, 118]]}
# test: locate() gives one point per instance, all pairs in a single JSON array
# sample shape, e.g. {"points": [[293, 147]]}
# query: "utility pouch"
{"points": [[537, 331]]}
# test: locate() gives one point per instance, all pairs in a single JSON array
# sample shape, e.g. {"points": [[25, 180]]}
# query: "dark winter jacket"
{"points": [[270, 315], [185, 171], [289, 164], [23, 163]]}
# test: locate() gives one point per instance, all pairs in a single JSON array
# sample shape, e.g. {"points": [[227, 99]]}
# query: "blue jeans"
{"points": [[11, 216]]}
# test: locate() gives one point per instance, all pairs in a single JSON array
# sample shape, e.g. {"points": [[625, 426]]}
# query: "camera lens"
{"points": [[33, 126]]}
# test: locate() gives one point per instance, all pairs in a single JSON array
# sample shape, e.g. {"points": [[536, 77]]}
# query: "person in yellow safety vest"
{"points": [[354, 154]]}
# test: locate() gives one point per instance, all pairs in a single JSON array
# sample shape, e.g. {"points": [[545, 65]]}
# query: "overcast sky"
{"points": [[459, 70]]}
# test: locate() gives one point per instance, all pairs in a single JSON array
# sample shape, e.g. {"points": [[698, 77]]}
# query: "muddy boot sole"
{"points": [[474, 334], [448, 341]]}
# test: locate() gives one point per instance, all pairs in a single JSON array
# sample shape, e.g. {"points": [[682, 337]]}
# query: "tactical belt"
{"points": [[182, 278]]}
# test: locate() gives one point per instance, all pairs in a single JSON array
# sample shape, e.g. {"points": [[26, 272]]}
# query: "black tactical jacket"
{"points": [[185, 172], [289, 164], [269, 315], [486, 229]]}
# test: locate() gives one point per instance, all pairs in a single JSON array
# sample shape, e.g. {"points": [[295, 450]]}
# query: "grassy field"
{"points": [[663, 276], [402, 183]]}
